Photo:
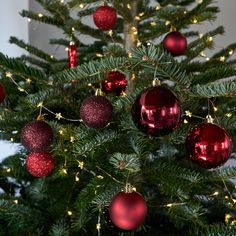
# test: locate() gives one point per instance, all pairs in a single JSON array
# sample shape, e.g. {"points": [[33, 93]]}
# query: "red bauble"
{"points": [[72, 54], [40, 164], [37, 136], [115, 83], [175, 43], [96, 111], [105, 17], [2, 93], [128, 210], [208, 145], [156, 111]]}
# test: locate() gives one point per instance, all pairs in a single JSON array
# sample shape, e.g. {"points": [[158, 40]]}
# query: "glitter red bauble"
{"points": [[37, 136], [105, 17], [208, 145], [2, 93], [115, 83], [128, 210], [40, 164], [156, 111], [175, 43], [96, 111]]}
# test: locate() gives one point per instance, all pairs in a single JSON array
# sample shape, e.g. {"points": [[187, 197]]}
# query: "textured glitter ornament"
{"points": [[40, 164], [2, 93], [105, 17], [156, 111], [115, 83], [96, 111], [208, 145], [72, 54], [36, 136], [175, 43], [128, 210]]}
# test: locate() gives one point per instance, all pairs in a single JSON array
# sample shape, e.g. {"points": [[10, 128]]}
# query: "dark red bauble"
{"points": [[115, 83], [175, 43], [105, 17], [37, 136], [96, 111], [40, 164], [208, 145], [2, 93], [128, 210], [156, 111]]}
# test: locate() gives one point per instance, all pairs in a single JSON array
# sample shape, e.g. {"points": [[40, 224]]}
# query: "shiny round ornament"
{"points": [[208, 145], [175, 43], [2, 93], [105, 17], [115, 83], [96, 111], [37, 136], [40, 164], [156, 111], [128, 210]]}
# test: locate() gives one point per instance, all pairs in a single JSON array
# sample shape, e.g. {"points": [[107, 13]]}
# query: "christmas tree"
{"points": [[126, 135]]}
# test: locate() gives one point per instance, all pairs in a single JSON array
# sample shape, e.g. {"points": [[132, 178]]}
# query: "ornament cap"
{"points": [[72, 43], [41, 117], [156, 82], [128, 188], [209, 119]]}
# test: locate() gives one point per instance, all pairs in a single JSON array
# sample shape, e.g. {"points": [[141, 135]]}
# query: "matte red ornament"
{"points": [[105, 17], [37, 136], [115, 83], [2, 93], [40, 164], [72, 54], [208, 145], [96, 111], [156, 111], [175, 43], [128, 210]]}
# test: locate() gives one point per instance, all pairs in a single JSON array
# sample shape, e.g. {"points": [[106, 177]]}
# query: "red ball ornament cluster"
{"points": [[156, 111], [36, 137], [128, 210], [105, 17], [115, 83], [40, 164], [175, 43], [2, 93], [96, 111], [208, 145]]}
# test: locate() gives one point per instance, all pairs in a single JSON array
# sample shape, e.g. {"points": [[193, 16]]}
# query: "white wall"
{"points": [[12, 24]]}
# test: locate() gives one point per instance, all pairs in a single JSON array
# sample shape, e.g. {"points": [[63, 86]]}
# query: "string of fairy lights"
{"points": [[81, 164]]}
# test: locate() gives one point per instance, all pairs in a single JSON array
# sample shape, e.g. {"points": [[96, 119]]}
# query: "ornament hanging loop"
{"points": [[98, 92], [156, 82], [209, 119]]}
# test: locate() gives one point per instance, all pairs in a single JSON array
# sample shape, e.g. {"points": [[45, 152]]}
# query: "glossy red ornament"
{"points": [[175, 43], [156, 111], [37, 136], [115, 83], [96, 111], [2, 93], [105, 17], [208, 145], [128, 210], [40, 164], [72, 54]]}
